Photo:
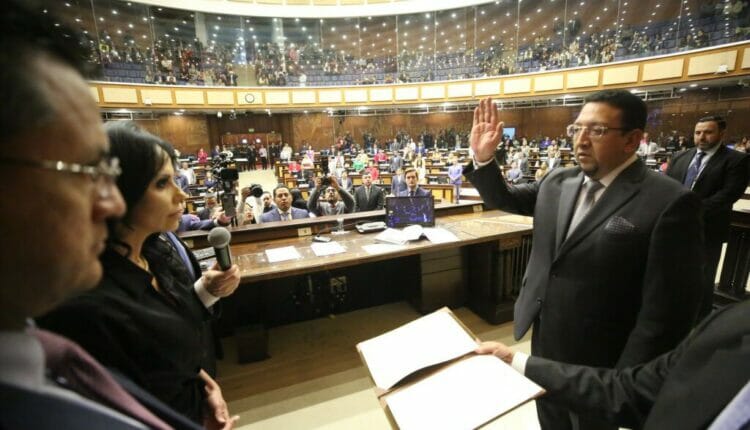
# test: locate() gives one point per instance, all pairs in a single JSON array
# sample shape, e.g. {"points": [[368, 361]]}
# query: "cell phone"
{"points": [[323, 239]]}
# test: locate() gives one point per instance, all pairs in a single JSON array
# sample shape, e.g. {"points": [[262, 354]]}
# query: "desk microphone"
{"points": [[219, 238]]}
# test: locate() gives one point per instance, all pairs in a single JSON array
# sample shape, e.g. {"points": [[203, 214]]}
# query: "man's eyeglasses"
{"points": [[103, 174], [595, 131]]}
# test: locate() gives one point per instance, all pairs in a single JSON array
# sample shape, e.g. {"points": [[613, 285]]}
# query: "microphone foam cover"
{"points": [[219, 237]]}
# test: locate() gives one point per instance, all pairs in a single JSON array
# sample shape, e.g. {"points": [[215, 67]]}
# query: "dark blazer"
{"points": [[625, 286], [721, 183], [159, 341], [420, 192], [683, 389], [271, 216], [376, 201]]}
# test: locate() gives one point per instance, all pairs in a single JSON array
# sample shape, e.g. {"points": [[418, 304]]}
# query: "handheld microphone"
{"points": [[219, 238]]}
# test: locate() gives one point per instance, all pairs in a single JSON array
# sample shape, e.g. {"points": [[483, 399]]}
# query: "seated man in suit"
{"points": [[46, 380], [702, 382], [411, 177], [332, 205], [284, 210], [368, 197]]}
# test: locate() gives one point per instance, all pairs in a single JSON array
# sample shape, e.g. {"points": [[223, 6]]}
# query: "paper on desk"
{"points": [[439, 235], [432, 339], [322, 249], [380, 248], [465, 395], [282, 254]]}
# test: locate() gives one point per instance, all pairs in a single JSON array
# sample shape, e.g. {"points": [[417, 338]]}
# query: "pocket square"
{"points": [[620, 225]]}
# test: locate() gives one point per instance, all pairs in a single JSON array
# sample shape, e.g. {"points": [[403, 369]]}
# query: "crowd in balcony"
{"points": [[308, 64]]}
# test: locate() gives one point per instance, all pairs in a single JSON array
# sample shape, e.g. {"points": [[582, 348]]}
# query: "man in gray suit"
{"points": [[284, 210], [614, 274]]}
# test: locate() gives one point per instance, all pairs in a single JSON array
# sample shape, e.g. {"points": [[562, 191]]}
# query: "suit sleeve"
{"points": [[381, 200], [497, 194], [736, 175], [623, 397], [672, 283]]}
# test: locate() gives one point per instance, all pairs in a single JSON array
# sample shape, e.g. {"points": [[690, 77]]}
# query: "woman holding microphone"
{"points": [[150, 318]]}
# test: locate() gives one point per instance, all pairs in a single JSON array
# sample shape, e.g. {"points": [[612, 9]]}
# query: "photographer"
{"points": [[331, 205], [250, 208]]}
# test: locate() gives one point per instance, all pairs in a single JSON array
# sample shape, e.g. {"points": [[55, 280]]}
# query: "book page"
{"points": [[432, 339], [464, 395], [439, 235]]}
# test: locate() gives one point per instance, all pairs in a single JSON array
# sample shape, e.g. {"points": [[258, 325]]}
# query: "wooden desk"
{"points": [[483, 269]]}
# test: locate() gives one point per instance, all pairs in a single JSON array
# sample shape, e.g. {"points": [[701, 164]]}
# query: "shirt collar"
{"points": [[611, 176], [21, 360], [711, 151]]}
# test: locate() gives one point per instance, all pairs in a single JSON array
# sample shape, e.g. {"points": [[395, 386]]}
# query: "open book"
{"points": [[427, 375], [415, 232]]}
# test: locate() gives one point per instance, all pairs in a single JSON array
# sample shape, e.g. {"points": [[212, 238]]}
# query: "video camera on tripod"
{"points": [[228, 178]]}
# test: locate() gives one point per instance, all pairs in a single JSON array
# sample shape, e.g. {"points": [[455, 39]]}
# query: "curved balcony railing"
{"points": [[136, 43]]}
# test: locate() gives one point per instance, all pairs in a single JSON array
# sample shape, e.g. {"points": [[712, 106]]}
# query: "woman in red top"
{"points": [[373, 171], [202, 156]]}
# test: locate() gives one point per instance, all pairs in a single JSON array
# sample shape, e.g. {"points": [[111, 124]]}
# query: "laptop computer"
{"points": [[403, 211]]}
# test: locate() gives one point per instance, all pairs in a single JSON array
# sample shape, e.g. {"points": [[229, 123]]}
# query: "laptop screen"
{"points": [[403, 211]]}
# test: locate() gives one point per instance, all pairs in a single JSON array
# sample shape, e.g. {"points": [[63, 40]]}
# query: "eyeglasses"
{"points": [[595, 131], [103, 174]]}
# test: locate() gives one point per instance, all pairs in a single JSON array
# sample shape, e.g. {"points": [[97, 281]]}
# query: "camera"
{"points": [[325, 181], [228, 178]]}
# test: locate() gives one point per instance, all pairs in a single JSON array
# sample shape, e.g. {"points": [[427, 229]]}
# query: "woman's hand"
{"points": [[217, 413], [221, 284]]}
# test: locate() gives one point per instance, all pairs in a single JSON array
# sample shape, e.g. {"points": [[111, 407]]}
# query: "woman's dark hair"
{"points": [[141, 155]]}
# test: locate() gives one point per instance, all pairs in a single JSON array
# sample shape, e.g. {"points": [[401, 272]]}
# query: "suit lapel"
{"points": [[619, 192], [568, 198], [713, 164], [682, 166]]}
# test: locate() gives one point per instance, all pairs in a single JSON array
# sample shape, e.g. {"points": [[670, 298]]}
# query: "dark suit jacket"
{"points": [[721, 183], [376, 201], [273, 215], [420, 192], [625, 286], [682, 389]]}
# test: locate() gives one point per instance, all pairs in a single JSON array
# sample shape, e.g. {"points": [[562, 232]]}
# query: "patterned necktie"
{"points": [[591, 187], [285, 216], [411, 193], [75, 369], [694, 169], [736, 415]]}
